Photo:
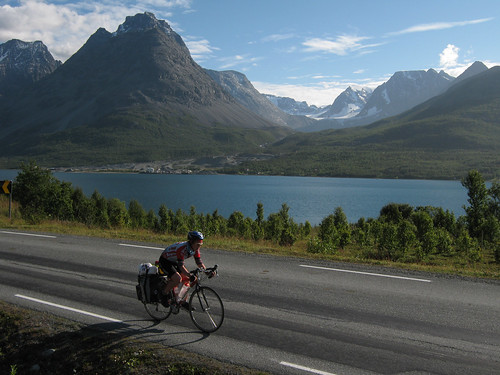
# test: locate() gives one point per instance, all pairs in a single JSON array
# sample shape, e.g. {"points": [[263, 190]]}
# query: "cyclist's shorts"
{"points": [[169, 267]]}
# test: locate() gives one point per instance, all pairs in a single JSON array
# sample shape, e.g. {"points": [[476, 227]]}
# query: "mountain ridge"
{"points": [[442, 138], [142, 84], [23, 63], [137, 95]]}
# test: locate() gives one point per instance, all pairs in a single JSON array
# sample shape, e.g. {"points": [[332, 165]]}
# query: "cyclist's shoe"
{"points": [[165, 300], [185, 305]]}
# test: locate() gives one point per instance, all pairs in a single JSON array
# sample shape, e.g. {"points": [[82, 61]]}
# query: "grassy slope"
{"points": [[54, 345], [135, 137]]}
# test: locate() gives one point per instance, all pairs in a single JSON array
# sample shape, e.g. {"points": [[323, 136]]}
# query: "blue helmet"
{"points": [[195, 235]]}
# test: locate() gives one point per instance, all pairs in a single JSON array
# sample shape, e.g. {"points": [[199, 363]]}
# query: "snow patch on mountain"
{"points": [[142, 22]]}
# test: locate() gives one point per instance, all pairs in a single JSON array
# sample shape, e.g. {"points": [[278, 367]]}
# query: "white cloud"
{"points": [[64, 28], [320, 93], [340, 46], [200, 49], [448, 58], [439, 26], [243, 62], [277, 37]]}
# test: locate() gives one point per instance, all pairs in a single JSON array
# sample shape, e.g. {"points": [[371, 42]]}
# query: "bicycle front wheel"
{"points": [[157, 311], [206, 309]]}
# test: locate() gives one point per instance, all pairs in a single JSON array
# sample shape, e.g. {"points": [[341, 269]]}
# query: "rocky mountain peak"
{"points": [[22, 63], [143, 22], [476, 68], [348, 103]]}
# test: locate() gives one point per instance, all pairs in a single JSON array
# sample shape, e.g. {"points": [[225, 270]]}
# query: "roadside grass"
{"points": [[455, 264], [34, 342]]}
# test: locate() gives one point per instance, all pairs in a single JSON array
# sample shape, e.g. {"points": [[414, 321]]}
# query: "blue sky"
{"points": [[308, 50]]}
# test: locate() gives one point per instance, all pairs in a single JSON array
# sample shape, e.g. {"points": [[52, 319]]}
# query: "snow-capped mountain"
{"points": [[22, 63], [348, 104], [403, 91], [143, 22], [293, 107]]}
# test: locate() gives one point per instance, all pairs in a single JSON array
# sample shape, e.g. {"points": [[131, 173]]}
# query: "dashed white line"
{"points": [[142, 247], [68, 308], [303, 368], [28, 234], [367, 273]]}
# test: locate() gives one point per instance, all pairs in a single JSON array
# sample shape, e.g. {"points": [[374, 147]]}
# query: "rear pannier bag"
{"points": [[148, 280]]}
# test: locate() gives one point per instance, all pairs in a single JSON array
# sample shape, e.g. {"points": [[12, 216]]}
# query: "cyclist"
{"points": [[172, 263]]}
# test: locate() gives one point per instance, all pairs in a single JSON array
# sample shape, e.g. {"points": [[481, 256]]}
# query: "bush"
{"points": [[117, 213], [41, 195], [316, 246], [137, 214]]}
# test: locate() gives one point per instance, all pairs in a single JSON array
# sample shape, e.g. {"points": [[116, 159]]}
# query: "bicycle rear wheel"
{"points": [[206, 309], [157, 311]]}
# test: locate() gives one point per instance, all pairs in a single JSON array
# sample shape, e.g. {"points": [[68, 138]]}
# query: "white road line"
{"points": [[303, 368], [28, 234], [367, 273], [142, 247], [68, 308]]}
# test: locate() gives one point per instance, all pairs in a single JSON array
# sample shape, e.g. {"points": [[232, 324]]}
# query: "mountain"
{"points": [[442, 138], [135, 94], [403, 91], [23, 63], [348, 104], [293, 107], [240, 88], [476, 68]]}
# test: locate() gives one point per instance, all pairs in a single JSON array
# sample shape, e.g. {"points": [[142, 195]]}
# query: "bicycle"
{"points": [[205, 306]]}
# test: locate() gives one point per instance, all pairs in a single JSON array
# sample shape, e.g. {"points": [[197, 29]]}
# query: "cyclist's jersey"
{"points": [[179, 251]]}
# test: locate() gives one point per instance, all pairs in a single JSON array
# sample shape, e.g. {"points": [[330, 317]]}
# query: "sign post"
{"points": [[6, 188]]}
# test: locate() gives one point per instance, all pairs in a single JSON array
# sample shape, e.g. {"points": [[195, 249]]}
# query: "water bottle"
{"points": [[182, 291]]}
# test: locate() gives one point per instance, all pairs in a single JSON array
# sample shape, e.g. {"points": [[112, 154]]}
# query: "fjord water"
{"points": [[309, 198]]}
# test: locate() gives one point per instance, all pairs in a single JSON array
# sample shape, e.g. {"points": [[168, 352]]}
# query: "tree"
{"points": [[395, 212], [216, 224], [327, 230], [180, 222], [423, 222], [237, 225], [478, 200], [193, 219], [165, 219], [83, 210], [260, 214], [151, 221], [406, 236], [388, 241], [342, 227], [100, 209], [117, 213], [34, 191], [137, 214], [494, 202]]}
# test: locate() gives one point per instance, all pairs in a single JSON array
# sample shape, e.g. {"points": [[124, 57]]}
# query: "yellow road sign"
{"points": [[6, 186]]}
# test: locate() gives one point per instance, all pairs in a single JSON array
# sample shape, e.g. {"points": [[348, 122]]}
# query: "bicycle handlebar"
{"points": [[206, 271]]}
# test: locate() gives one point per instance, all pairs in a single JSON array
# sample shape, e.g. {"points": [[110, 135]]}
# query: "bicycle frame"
{"points": [[205, 306]]}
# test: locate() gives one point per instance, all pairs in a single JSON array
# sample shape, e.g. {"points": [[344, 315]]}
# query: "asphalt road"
{"points": [[286, 316]]}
